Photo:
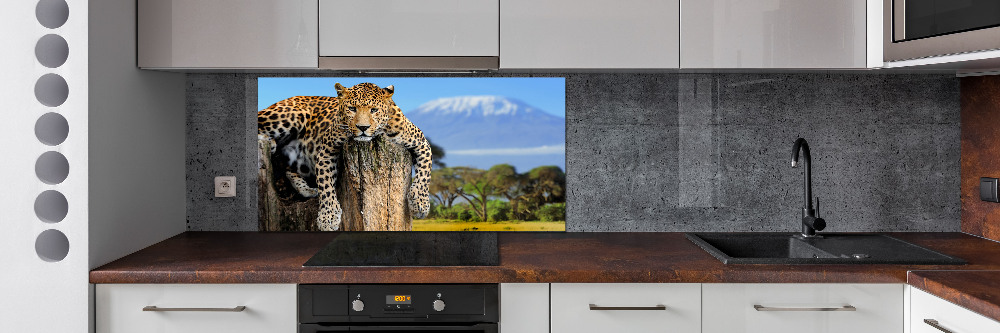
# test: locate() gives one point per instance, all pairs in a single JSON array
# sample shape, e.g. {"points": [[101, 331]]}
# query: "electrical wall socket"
{"points": [[988, 189], [225, 186]]}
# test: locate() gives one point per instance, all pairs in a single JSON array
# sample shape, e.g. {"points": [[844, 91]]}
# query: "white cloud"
{"points": [[542, 150]]}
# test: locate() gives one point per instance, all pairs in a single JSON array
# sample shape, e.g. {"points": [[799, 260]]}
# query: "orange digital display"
{"points": [[397, 299]]}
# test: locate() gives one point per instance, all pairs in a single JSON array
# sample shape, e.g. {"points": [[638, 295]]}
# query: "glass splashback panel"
{"points": [[411, 153]]}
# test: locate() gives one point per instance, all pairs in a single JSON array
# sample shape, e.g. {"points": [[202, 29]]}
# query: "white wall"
{"points": [[137, 133], [125, 184], [36, 295]]}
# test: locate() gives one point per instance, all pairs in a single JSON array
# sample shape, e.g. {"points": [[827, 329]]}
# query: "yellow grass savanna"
{"points": [[458, 225]]}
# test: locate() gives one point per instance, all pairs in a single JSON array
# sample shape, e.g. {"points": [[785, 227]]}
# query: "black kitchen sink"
{"points": [[789, 248]]}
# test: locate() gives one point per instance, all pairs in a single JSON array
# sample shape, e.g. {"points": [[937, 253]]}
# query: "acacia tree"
{"points": [[446, 186], [544, 184], [510, 185], [476, 189], [480, 185]]}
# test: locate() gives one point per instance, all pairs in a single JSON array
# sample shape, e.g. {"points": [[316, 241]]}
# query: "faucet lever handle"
{"points": [[817, 206]]}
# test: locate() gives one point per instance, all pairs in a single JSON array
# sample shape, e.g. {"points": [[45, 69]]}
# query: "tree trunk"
{"points": [[279, 207], [374, 179]]}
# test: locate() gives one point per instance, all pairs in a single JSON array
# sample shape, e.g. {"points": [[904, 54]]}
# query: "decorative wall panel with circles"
{"points": [[51, 129], [51, 206], [51, 50], [52, 245], [52, 13], [52, 167], [51, 90]]}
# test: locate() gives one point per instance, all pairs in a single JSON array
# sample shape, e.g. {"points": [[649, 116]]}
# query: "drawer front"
{"points": [[408, 28], [572, 311], [269, 308], [524, 308], [729, 308], [949, 316]]}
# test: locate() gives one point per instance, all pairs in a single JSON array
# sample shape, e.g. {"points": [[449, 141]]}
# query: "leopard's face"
{"points": [[364, 109]]}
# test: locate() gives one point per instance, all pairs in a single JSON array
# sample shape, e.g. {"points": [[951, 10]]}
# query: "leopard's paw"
{"points": [[420, 204], [329, 219]]}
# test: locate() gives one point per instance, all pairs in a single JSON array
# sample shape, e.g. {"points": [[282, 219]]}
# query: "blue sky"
{"points": [[547, 94]]}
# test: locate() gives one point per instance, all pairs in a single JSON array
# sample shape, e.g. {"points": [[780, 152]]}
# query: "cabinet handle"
{"points": [[631, 308], [935, 324], [759, 307], [233, 309]]}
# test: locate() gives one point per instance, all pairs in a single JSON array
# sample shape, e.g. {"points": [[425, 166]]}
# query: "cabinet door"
{"points": [[269, 308], [780, 307], [227, 34], [589, 34], [524, 308], [951, 317], [409, 28], [626, 307], [773, 34]]}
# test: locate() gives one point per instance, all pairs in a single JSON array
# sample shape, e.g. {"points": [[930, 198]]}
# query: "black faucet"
{"points": [[810, 222]]}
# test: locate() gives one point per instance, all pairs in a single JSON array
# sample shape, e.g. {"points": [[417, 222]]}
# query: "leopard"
{"points": [[300, 168], [321, 125]]}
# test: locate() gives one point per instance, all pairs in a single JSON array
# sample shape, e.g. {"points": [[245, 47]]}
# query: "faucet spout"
{"points": [[810, 222]]}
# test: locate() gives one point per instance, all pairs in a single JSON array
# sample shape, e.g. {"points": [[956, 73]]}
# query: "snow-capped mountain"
{"points": [[482, 131], [476, 122]]}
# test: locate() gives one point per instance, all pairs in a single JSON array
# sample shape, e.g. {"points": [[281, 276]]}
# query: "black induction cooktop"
{"points": [[409, 248]]}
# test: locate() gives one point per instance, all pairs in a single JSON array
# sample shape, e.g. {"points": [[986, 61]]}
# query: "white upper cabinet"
{"points": [[227, 34], [580, 34], [409, 28], [779, 33]]}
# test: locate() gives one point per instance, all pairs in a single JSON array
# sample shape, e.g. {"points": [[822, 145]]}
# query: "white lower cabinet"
{"points": [[570, 307], [626, 307], [802, 308], [524, 308], [196, 308], [930, 314]]}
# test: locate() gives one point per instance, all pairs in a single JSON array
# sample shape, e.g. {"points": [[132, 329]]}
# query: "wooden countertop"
{"points": [[258, 257], [978, 291]]}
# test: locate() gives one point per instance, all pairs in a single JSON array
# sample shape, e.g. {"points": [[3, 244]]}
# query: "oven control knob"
{"points": [[358, 305], [438, 305]]}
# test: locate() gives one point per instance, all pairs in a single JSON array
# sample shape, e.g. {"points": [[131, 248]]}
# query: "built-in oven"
{"points": [[927, 28], [466, 308]]}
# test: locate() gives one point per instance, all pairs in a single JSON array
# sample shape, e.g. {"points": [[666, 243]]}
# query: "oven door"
{"points": [[926, 28], [472, 328]]}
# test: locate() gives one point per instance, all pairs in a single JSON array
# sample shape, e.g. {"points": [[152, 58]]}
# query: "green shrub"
{"points": [[552, 212], [443, 212], [465, 215], [498, 210]]}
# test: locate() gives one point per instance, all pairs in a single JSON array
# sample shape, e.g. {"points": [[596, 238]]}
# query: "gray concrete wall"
{"points": [[683, 152]]}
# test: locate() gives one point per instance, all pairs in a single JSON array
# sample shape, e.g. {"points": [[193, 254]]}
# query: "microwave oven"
{"points": [[915, 29]]}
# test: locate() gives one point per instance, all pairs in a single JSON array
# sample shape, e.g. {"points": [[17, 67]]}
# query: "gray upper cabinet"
{"points": [[581, 34], [409, 28], [409, 34], [222, 34], [778, 34], [509, 34]]}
